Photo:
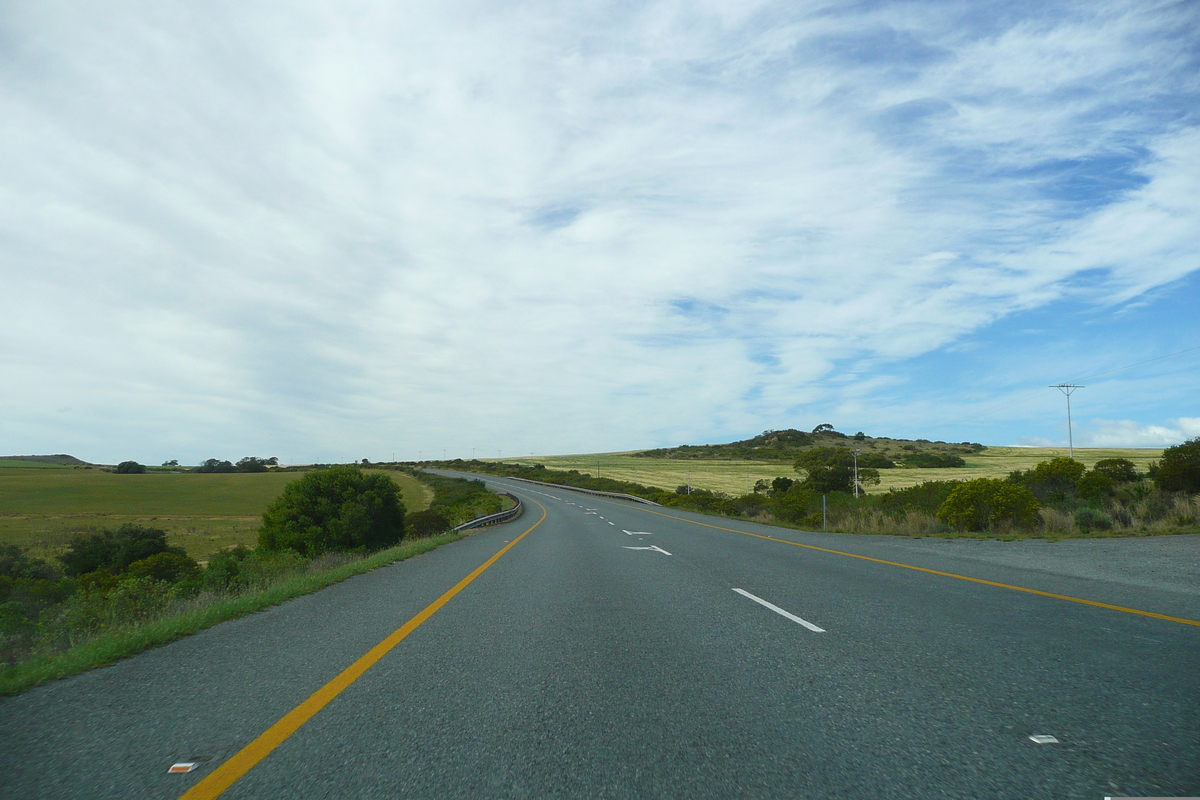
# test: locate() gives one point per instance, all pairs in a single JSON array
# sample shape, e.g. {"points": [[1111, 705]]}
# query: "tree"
{"points": [[251, 464], [339, 508], [781, 485], [1179, 468], [130, 468], [824, 427], [174, 462], [213, 465], [1051, 480], [114, 550], [831, 469], [427, 523], [984, 503], [166, 567], [1121, 470]]}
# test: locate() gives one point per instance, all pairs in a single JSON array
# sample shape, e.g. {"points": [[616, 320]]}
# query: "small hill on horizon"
{"points": [[61, 459], [787, 445]]}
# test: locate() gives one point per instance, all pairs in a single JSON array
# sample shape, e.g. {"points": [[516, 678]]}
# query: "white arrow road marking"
{"points": [[636, 533], [780, 611], [651, 547]]}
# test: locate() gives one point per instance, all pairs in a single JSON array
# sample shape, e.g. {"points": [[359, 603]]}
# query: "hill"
{"points": [[880, 452], [60, 460]]}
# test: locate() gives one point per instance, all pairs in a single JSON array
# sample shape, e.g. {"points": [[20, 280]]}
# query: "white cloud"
{"points": [[1126, 433], [572, 227]]}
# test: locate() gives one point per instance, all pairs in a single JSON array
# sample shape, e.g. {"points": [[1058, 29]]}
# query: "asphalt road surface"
{"points": [[620, 650]]}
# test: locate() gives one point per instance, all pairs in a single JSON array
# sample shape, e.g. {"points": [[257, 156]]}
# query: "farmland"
{"points": [[737, 477], [42, 507]]}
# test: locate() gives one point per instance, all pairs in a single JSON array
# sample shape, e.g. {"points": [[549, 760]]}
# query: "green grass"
{"points": [[123, 643], [738, 477], [12, 463], [42, 509]]}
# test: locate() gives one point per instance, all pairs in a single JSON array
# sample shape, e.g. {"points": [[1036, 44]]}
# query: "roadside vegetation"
{"points": [[115, 592], [1055, 498]]}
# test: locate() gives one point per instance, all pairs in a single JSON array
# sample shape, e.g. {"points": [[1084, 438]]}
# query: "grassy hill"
{"points": [[44, 462], [42, 508], [733, 468]]}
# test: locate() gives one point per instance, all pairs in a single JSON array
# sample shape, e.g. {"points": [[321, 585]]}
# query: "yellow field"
{"points": [[42, 509], [738, 477]]}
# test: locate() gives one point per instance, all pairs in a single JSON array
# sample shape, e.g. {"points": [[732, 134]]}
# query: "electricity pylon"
{"points": [[1067, 388]]}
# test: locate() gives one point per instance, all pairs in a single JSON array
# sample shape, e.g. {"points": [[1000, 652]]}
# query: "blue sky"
{"points": [[324, 231]]}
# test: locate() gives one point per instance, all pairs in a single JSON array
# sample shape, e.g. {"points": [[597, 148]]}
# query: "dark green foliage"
{"points": [[781, 485], [340, 508], [114, 550], [1089, 519], [831, 469], [986, 503], [459, 500], [1121, 470], [1179, 469], [224, 568], [927, 497], [427, 523], [933, 460], [1095, 485], [252, 464], [824, 427], [1051, 480], [877, 461], [164, 567], [130, 468], [212, 465], [14, 563]]}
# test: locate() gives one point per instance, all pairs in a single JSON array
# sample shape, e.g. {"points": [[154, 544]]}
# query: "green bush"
{"points": [[1089, 519], [1179, 468], [340, 508], [166, 567], [927, 497], [1121, 470], [831, 469], [114, 550], [932, 461], [130, 468], [427, 523], [14, 563], [985, 503], [1095, 485], [1056, 479]]}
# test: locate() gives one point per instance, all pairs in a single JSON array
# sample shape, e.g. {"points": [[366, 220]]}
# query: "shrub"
{"points": [[933, 461], [1055, 479], [340, 508], [114, 550], [1121, 470], [214, 465], [927, 497], [1095, 485], [831, 469], [427, 523], [1088, 519], [166, 567], [985, 503], [1179, 468], [14, 563], [130, 468]]}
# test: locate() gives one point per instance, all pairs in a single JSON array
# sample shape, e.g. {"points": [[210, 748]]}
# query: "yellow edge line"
{"points": [[931, 571], [245, 759]]}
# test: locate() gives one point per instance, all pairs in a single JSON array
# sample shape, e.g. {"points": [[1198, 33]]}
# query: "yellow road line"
{"points": [[245, 759], [930, 571]]}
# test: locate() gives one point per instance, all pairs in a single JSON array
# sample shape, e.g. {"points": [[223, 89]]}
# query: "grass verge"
{"points": [[205, 612]]}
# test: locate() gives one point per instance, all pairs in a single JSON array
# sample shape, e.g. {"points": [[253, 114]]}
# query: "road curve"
{"points": [[619, 650]]}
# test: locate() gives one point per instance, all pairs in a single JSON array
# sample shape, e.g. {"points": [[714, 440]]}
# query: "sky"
{"points": [[327, 231]]}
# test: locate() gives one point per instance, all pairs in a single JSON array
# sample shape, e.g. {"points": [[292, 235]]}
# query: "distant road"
{"points": [[619, 650]]}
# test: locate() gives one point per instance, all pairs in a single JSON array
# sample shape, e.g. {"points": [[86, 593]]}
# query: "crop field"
{"points": [[42, 509], [738, 477]]}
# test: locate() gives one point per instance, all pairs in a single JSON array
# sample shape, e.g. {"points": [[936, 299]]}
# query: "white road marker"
{"points": [[1042, 738], [608, 522], [183, 766], [636, 533], [780, 611], [651, 547]]}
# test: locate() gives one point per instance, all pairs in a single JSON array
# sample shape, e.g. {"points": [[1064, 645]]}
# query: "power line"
{"points": [[1139, 364]]}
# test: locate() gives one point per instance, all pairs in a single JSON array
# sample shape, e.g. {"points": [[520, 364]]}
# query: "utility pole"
{"points": [[472, 453], [855, 453], [1067, 388], [824, 513]]}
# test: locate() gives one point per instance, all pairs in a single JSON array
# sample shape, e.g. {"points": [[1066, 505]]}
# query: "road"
{"points": [[620, 650]]}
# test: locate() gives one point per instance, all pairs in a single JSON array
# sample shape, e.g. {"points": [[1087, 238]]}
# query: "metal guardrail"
{"points": [[494, 519], [619, 495]]}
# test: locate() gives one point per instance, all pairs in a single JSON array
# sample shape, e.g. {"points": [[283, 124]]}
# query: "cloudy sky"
{"points": [[334, 230]]}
